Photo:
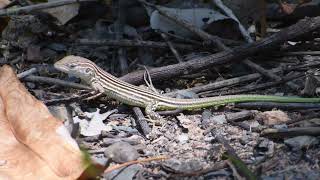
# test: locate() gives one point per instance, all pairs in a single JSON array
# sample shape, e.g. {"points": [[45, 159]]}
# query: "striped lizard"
{"points": [[124, 92]]}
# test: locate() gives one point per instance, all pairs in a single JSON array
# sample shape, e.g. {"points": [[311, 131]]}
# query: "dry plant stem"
{"points": [[173, 50], [291, 132], [93, 96], [160, 158], [31, 8], [54, 81], [236, 54], [141, 120], [132, 43]]}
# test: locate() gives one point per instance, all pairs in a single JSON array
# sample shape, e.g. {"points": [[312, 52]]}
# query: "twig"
{"points": [[131, 43], [291, 132], [54, 81], [160, 158], [28, 9], [181, 38], [141, 121], [27, 73], [148, 81], [173, 50]]}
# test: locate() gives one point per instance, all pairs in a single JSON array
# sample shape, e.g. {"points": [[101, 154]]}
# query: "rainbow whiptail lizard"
{"points": [[124, 92]]}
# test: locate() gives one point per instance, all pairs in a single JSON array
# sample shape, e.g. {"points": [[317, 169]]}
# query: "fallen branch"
{"points": [[302, 27], [291, 132], [131, 43]]}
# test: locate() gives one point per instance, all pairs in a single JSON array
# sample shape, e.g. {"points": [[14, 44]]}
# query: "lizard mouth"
{"points": [[60, 67]]}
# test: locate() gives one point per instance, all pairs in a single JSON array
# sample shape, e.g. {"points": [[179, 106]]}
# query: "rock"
{"points": [[178, 166], [64, 114], [205, 119], [265, 147], [121, 152], [220, 119], [125, 173], [301, 142], [183, 138], [184, 94]]}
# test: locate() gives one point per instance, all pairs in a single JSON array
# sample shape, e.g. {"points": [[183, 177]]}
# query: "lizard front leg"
{"points": [[150, 111]]}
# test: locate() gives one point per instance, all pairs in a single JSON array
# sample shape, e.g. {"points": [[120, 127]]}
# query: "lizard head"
{"points": [[77, 66]]}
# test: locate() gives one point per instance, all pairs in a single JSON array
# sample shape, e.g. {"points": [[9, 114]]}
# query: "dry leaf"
{"points": [[272, 117], [63, 13], [34, 144], [4, 3], [288, 8]]}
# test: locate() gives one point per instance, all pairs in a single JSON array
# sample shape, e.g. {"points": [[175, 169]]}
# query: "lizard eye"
{"points": [[72, 66], [88, 70]]}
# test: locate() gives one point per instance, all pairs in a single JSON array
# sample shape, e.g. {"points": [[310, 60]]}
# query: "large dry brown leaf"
{"points": [[34, 144], [4, 3]]}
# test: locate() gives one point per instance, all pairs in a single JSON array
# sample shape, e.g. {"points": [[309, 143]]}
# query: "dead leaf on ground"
{"points": [[288, 8], [272, 117], [4, 3], [34, 144]]}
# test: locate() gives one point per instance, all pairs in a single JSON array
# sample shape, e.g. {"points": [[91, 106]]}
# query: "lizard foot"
{"points": [[154, 117]]}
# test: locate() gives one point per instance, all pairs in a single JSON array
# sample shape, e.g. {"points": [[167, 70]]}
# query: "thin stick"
{"points": [[27, 73], [28, 9], [159, 158], [54, 81], [172, 48], [131, 43]]}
